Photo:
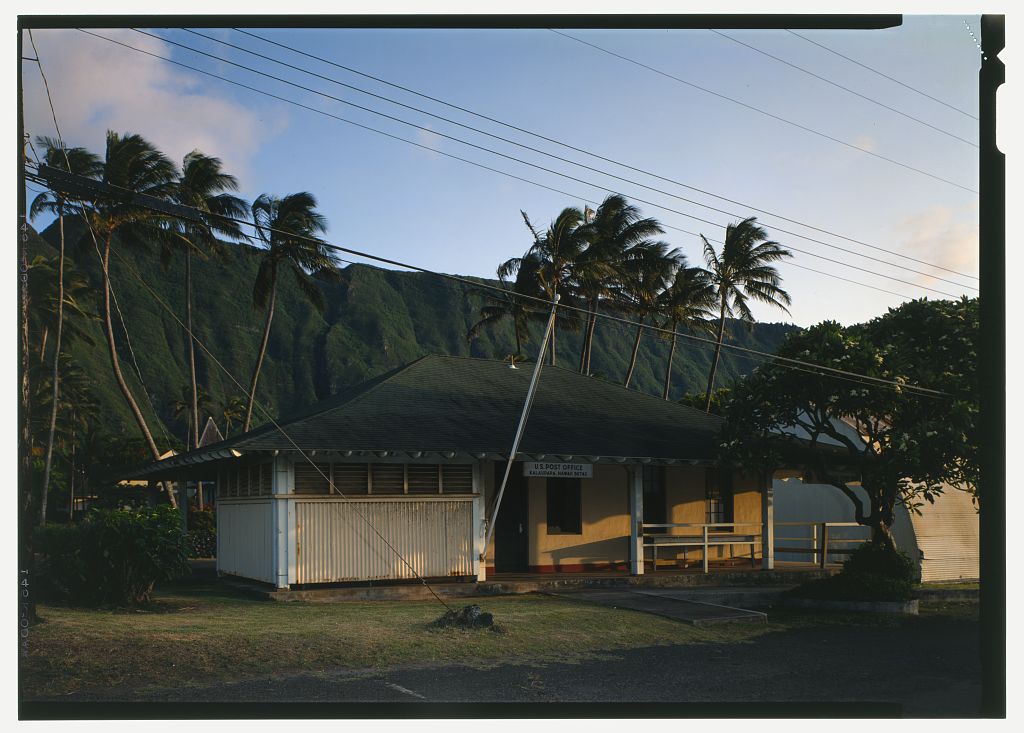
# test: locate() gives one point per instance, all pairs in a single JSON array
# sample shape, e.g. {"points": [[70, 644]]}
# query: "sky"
{"points": [[415, 205]]}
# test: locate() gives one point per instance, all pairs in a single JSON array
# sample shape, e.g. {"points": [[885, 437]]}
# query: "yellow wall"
{"points": [[605, 514]]}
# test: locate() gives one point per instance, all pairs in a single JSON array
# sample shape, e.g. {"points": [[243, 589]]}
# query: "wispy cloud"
{"points": [[942, 236], [98, 86]]}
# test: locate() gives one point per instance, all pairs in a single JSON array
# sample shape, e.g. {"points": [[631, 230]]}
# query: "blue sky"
{"points": [[418, 206]]}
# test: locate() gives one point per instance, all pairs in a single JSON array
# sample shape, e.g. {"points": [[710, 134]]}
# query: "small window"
{"points": [[718, 497], [564, 510]]}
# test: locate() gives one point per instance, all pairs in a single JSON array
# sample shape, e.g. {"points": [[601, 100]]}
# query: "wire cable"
{"points": [[498, 137], [881, 74], [549, 303], [591, 154], [844, 88], [436, 150], [767, 114]]}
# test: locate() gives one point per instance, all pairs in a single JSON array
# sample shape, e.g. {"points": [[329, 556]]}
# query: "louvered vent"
{"points": [[424, 478], [310, 479], [266, 478], [243, 480], [388, 478], [457, 479], [350, 478]]}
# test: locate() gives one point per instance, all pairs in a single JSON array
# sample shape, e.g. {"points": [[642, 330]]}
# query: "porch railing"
{"points": [[821, 539], [717, 534]]}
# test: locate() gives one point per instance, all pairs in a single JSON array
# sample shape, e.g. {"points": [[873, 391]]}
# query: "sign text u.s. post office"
{"points": [[558, 470]]}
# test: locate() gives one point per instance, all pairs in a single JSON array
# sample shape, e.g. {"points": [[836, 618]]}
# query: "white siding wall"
{"points": [[245, 538], [335, 544]]}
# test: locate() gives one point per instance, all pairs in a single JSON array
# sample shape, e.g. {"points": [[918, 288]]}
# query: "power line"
{"points": [[592, 154], [212, 357], [473, 145], [497, 137], [765, 113], [280, 429], [844, 88], [882, 74], [141, 201]]}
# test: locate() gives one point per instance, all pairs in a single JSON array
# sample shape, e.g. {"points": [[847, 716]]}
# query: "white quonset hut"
{"points": [[396, 478]]}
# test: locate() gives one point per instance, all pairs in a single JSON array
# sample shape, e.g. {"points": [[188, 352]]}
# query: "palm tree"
{"points": [[506, 304], [183, 409], [646, 273], [132, 164], [556, 253], [232, 410], [203, 185], [615, 228], [742, 271], [80, 162], [48, 312], [688, 302], [288, 229]]}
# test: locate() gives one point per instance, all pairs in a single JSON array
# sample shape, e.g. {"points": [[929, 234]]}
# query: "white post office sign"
{"points": [[558, 470]]}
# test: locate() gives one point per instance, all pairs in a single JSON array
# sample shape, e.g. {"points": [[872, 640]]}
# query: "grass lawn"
{"points": [[201, 632]]}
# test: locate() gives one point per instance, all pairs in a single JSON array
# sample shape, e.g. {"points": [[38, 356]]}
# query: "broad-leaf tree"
{"points": [[741, 272], [902, 445], [289, 230]]}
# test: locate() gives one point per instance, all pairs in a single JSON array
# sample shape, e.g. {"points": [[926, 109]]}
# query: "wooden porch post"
{"points": [[768, 524], [636, 518]]}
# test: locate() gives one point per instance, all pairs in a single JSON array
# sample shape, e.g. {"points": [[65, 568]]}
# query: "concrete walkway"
{"points": [[673, 604]]}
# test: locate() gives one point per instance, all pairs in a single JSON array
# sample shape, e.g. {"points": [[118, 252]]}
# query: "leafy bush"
{"points": [[113, 556], [873, 572], [202, 533], [877, 559]]}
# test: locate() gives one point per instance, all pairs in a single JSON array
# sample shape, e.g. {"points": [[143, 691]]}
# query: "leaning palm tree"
{"points": [[557, 252], [688, 302], [615, 228], [646, 273], [742, 271], [232, 410], [513, 301], [134, 165], [287, 228], [80, 162], [204, 186]]}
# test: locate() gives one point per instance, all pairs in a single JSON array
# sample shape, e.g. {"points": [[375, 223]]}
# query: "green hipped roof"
{"points": [[465, 405]]}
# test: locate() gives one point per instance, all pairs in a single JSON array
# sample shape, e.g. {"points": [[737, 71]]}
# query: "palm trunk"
{"points": [[591, 327], [42, 344], [108, 325], [191, 347], [262, 352], [668, 368], [714, 361], [636, 349], [48, 465]]}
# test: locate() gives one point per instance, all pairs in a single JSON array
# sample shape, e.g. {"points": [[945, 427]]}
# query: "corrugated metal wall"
{"points": [[947, 535], [245, 539], [335, 544]]}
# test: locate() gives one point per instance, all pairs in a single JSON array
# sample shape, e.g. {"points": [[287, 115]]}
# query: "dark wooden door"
{"points": [[511, 547]]}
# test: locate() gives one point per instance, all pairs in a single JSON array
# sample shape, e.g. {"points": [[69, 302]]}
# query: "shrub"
{"points": [[202, 533], [113, 556], [872, 573]]}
